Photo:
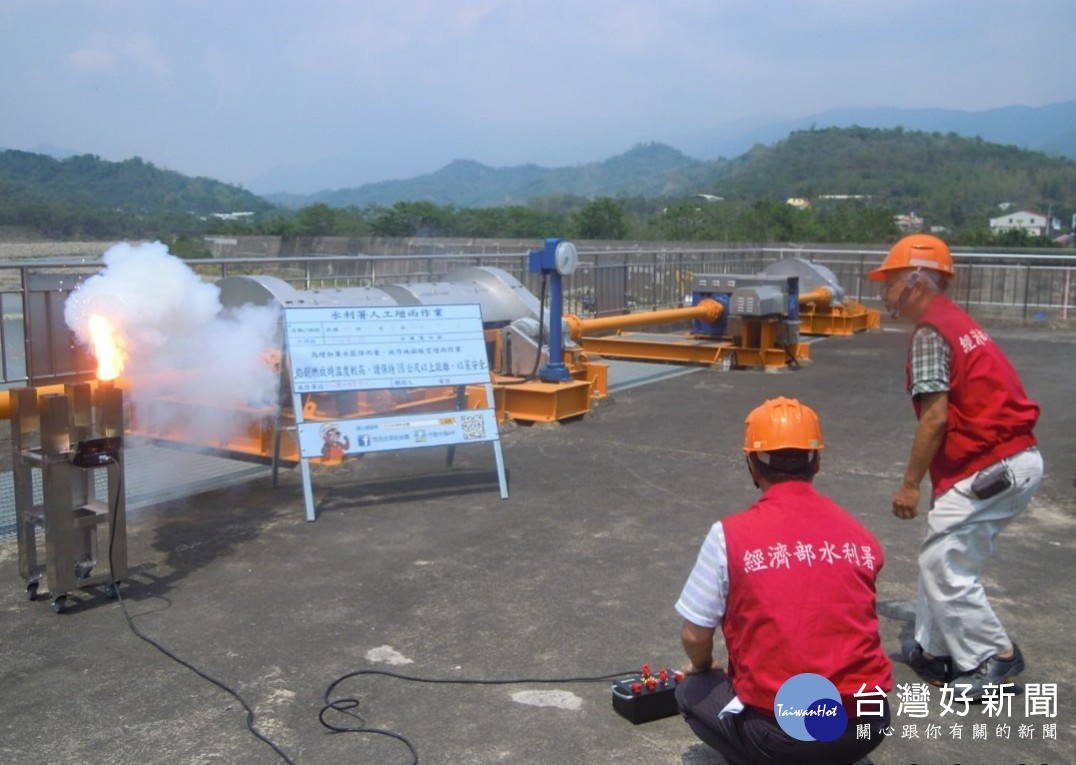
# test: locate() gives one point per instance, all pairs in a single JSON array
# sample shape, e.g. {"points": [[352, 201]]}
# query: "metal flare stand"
{"points": [[68, 439]]}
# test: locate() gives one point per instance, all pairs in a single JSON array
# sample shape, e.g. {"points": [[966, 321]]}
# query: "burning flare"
{"points": [[108, 347]]}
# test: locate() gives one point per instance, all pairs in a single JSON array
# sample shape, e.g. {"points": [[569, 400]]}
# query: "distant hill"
{"points": [[647, 170], [89, 182], [943, 177], [54, 151], [948, 179], [1050, 129]]}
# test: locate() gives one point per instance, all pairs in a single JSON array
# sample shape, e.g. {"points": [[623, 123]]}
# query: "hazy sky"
{"points": [[231, 89]]}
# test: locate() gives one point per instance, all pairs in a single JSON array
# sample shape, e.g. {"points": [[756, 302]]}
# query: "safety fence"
{"points": [[1010, 287]]}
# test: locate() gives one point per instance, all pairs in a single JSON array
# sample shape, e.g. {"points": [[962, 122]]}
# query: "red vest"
{"points": [[801, 597], [990, 416]]}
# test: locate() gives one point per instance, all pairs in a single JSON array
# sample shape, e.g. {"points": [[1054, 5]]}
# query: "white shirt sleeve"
{"points": [[702, 601]]}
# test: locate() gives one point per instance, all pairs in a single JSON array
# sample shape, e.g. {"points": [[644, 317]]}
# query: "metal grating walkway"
{"points": [[152, 474]]}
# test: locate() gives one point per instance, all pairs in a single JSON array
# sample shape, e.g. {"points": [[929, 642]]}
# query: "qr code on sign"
{"points": [[474, 427]]}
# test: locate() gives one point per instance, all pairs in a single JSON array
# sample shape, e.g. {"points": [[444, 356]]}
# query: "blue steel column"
{"points": [[544, 261]]}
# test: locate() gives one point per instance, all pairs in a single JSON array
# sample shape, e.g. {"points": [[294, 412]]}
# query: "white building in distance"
{"points": [[1033, 223]]}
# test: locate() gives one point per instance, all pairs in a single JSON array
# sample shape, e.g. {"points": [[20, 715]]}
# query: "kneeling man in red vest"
{"points": [[790, 582]]}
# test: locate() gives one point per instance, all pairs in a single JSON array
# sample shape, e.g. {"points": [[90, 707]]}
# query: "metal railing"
{"points": [[36, 347]]}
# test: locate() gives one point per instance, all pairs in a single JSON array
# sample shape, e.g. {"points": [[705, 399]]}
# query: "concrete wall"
{"points": [[275, 246]]}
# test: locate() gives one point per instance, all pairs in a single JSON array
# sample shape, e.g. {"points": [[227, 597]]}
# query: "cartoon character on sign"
{"points": [[335, 446]]}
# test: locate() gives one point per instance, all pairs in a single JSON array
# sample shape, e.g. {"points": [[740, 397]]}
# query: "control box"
{"points": [[97, 452], [647, 696]]}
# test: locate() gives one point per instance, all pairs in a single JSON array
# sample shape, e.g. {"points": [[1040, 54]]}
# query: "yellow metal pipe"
{"points": [[708, 310], [819, 296]]}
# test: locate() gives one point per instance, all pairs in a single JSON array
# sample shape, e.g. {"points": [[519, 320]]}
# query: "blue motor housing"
{"points": [[717, 328]]}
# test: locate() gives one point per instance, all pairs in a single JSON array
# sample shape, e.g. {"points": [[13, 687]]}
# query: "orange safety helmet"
{"points": [[782, 423], [916, 251]]}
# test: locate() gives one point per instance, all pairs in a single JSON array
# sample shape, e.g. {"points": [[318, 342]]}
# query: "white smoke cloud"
{"points": [[192, 366], [151, 297]]}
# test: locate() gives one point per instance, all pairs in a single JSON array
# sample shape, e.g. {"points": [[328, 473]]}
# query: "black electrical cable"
{"points": [[344, 705], [115, 587], [792, 360], [341, 705]]}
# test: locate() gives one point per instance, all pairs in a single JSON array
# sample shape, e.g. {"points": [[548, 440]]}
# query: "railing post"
{"points": [[1027, 288], [27, 326], [859, 277], [1065, 295]]}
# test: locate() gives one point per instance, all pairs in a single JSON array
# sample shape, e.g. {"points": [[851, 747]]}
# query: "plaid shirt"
{"points": [[930, 362]]}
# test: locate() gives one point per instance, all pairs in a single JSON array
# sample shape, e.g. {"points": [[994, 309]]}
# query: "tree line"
{"points": [[633, 219], [623, 218]]}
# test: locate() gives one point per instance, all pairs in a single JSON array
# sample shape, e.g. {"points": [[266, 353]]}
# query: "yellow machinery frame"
{"points": [[842, 320]]}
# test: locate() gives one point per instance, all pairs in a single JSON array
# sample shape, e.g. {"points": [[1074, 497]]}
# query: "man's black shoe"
{"points": [[994, 671], [937, 670]]}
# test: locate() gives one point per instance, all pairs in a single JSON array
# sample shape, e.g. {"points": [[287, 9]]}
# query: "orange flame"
{"points": [[108, 347]]}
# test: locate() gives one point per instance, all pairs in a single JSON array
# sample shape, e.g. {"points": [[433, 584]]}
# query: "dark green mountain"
{"points": [[132, 186], [1046, 128], [942, 177], [949, 180]]}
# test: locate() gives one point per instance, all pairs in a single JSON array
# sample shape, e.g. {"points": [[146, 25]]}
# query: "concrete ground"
{"points": [[416, 569]]}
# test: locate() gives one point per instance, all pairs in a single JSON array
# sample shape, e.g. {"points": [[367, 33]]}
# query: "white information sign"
{"points": [[401, 347], [333, 349]]}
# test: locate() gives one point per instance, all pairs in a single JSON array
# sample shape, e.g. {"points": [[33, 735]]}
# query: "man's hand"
{"points": [[929, 434], [906, 502], [698, 644]]}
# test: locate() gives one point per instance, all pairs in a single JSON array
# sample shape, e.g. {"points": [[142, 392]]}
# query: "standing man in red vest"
{"points": [[790, 582], [974, 436]]}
